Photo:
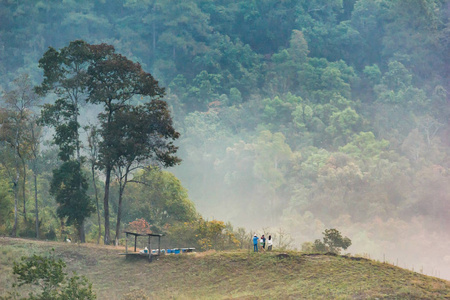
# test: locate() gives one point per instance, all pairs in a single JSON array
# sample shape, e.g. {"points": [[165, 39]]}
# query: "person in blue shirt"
{"points": [[255, 243]]}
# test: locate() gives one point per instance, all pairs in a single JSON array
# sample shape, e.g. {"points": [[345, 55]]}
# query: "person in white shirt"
{"points": [[269, 243]]}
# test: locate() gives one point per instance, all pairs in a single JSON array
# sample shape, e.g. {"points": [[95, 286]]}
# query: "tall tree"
{"points": [[113, 82], [6, 197], [11, 166], [93, 141], [17, 115], [143, 134], [35, 141], [65, 75]]}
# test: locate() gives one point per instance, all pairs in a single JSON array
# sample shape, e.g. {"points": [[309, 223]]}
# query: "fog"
{"points": [[416, 243]]}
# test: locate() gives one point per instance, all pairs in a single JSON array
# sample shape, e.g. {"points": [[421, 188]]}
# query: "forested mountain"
{"points": [[295, 114]]}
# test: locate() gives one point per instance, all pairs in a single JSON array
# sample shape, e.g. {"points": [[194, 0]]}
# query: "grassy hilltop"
{"points": [[228, 275]]}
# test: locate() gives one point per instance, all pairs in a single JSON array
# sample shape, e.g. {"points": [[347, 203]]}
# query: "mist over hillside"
{"points": [[294, 116]]}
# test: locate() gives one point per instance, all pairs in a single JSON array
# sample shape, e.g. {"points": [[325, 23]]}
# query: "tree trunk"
{"points": [[96, 202], [63, 238], [119, 213], [77, 135], [154, 35], [82, 233], [23, 188], [36, 205], [106, 205], [16, 200]]}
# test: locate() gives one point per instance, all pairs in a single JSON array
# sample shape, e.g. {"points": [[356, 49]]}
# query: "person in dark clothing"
{"points": [[263, 243]]}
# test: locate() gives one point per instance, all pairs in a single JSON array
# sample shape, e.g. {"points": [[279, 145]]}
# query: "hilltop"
{"points": [[228, 275]]}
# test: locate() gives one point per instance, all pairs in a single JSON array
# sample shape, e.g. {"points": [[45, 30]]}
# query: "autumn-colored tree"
{"points": [[139, 226]]}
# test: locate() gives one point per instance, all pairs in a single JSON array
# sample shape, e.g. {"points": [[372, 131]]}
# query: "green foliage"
{"points": [[310, 167], [343, 124], [204, 89], [41, 271], [7, 203], [78, 287], [365, 147], [397, 77], [69, 187], [279, 110], [308, 247], [334, 240], [48, 274], [235, 96], [65, 75], [16, 138], [158, 197], [373, 73], [320, 246], [135, 134]]}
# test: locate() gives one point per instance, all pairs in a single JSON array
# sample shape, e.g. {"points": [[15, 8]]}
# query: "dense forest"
{"points": [[293, 116]]}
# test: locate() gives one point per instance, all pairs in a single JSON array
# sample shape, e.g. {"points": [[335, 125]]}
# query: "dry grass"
{"points": [[228, 275]]}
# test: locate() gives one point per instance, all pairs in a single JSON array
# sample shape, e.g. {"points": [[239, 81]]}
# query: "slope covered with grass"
{"points": [[227, 275]]}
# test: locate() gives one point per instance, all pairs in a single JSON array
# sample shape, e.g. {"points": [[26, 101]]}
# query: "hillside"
{"points": [[229, 275]]}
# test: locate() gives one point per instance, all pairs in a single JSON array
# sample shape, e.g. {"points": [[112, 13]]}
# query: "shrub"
{"points": [[308, 247], [203, 235], [47, 274], [332, 242]]}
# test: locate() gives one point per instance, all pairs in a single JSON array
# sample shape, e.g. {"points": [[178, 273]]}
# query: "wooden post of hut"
{"points": [[126, 243], [149, 248], [159, 244]]}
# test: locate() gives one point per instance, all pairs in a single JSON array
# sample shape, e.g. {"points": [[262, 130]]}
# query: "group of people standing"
{"points": [[262, 242]]}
